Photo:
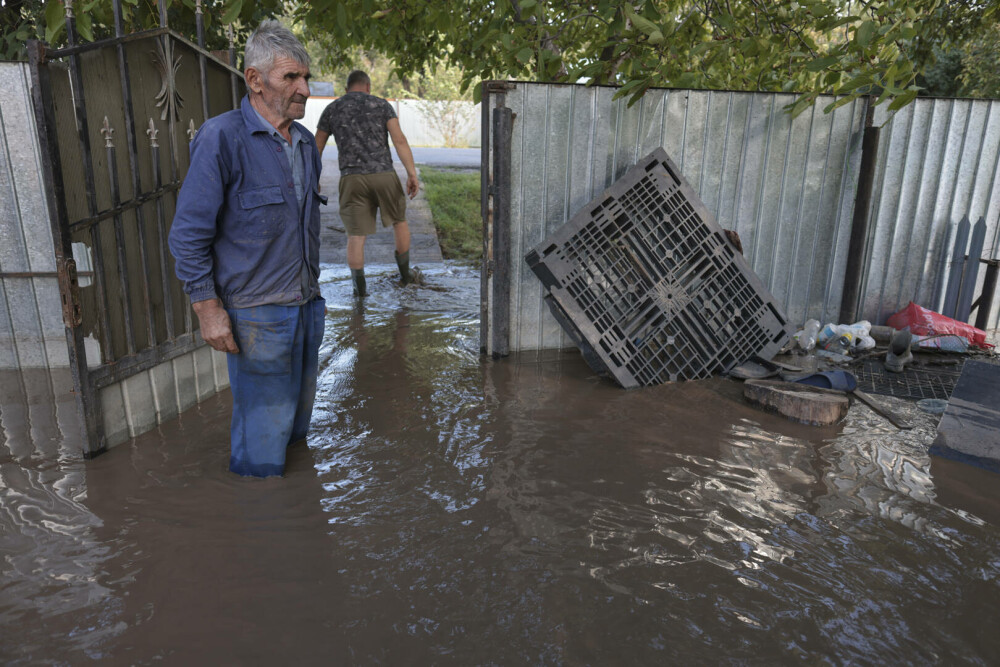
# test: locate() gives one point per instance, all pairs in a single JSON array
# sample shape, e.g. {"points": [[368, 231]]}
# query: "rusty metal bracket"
{"points": [[69, 287], [497, 87]]}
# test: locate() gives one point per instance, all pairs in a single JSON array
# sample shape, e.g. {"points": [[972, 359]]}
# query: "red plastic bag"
{"points": [[925, 322]]}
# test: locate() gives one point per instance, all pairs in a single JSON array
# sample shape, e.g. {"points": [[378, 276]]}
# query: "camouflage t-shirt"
{"points": [[357, 122]]}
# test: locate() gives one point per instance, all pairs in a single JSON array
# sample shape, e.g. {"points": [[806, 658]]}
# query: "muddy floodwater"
{"points": [[449, 509]]}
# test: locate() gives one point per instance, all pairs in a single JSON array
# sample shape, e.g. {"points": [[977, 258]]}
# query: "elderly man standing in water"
{"points": [[246, 242]]}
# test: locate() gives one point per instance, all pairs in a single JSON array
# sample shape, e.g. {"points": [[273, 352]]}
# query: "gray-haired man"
{"points": [[246, 242]]}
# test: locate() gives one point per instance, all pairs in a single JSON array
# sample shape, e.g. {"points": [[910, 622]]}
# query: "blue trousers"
{"points": [[273, 380]]}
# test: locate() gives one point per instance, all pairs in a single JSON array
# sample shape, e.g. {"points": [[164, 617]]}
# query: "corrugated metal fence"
{"points": [[32, 334], [787, 185], [938, 161]]}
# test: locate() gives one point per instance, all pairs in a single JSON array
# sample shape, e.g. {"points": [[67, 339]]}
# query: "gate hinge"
{"points": [[69, 287]]}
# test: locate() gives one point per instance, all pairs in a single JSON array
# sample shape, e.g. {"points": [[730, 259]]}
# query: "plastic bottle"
{"points": [[839, 345], [859, 331], [806, 337]]}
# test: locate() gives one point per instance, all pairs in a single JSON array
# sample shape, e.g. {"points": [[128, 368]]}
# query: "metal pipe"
{"points": [[232, 63], [202, 67], [985, 302], [858, 247], [51, 172], [83, 134], [500, 303], [168, 299], [133, 151], [123, 281]]}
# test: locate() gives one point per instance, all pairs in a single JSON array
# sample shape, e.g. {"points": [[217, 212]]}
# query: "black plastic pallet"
{"points": [[647, 285]]}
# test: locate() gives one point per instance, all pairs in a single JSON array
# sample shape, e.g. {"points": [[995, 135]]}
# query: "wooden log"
{"points": [[798, 402]]}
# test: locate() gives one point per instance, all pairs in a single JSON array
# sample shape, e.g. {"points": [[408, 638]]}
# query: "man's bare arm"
{"points": [[321, 139], [405, 156]]}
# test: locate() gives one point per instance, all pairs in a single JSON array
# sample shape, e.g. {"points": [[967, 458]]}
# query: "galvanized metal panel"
{"points": [[938, 161], [31, 331], [786, 185]]}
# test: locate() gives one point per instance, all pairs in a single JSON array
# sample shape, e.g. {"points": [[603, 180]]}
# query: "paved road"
{"points": [[432, 157]]}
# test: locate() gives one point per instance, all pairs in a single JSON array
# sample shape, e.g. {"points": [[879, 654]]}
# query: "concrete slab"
{"points": [[187, 390], [969, 431], [140, 407], [164, 390], [221, 367], [115, 418], [204, 372]]}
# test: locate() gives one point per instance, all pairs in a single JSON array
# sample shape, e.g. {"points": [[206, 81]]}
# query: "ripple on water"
{"points": [[451, 508]]}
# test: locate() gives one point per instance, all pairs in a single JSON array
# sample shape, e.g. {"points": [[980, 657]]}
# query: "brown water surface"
{"points": [[452, 509]]}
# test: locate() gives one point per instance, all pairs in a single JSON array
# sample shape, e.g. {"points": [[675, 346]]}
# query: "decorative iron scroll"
{"points": [[192, 130], [168, 98]]}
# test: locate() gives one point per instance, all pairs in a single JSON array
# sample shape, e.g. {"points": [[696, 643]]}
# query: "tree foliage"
{"points": [[840, 47], [886, 48], [21, 20]]}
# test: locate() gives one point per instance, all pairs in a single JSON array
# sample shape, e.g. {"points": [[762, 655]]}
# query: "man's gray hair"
{"points": [[269, 41]]}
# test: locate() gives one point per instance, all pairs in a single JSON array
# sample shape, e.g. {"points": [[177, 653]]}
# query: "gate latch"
{"points": [[69, 287]]}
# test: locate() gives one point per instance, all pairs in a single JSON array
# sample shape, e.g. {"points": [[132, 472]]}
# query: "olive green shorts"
{"points": [[362, 194]]}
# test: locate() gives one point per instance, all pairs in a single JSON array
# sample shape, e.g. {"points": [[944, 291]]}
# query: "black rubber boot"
{"points": [[360, 288], [403, 262]]}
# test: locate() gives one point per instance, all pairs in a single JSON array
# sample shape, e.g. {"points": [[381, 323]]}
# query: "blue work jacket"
{"points": [[238, 232]]}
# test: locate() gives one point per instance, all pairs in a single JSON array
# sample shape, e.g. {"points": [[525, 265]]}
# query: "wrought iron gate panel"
{"points": [[115, 119]]}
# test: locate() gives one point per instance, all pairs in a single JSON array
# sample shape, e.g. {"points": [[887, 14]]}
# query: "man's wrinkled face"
{"points": [[285, 88]]}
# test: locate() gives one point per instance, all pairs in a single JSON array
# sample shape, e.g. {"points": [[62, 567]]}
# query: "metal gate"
{"points": [[115, 118]]}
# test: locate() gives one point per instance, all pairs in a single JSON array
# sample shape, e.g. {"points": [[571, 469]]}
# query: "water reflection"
{"points": [[453, 509]]}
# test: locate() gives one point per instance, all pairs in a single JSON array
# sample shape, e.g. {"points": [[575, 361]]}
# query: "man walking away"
{"points": [[246, 242], [359, 121]]}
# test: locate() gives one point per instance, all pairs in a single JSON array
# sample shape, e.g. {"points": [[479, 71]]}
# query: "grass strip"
{"points": [[453, 197]]}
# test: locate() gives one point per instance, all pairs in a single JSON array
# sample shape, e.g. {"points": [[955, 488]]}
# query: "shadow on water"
{"points": [[453, 509]]}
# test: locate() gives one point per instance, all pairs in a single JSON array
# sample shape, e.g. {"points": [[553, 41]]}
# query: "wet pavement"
{"points": [[451, 509]]}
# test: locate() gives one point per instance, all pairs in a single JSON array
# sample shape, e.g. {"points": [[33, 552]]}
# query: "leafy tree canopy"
{"points": [[21, 20], [888, 48], [814, 47]]}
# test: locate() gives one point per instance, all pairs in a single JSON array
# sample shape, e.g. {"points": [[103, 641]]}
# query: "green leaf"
{"points": [[857, 82], [819, 64], [232, 11], [902, 100], [55, 20], [839, 103], [645, 25], [863, 35], [656, 37], [341, 17], [84, 27], [524, 55], [527, 4]]}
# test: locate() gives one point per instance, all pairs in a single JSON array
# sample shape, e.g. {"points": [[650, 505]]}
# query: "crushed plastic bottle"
{"points": [[839, 345], [806, 336], [859, 331]]}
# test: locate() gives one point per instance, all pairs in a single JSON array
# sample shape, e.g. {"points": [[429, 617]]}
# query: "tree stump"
{"points": [[798, 402]]}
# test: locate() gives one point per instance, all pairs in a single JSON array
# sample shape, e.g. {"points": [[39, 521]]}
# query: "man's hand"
{"points": [[216, 328], [412, 185]]}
